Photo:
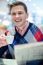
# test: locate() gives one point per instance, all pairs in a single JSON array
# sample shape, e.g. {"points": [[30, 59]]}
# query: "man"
{"points": [[26, 32]]}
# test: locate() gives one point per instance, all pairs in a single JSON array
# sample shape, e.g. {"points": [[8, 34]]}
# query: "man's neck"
{"points": [[23, 29]]}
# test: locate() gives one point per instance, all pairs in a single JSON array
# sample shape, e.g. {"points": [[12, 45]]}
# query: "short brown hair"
{"points": [[16, 4]]}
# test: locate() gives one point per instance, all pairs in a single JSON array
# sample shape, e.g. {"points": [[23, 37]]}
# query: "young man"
{"points": [[26, 32]]}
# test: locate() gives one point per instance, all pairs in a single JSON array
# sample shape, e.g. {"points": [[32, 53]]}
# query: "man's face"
{"points": [[18, 14]]}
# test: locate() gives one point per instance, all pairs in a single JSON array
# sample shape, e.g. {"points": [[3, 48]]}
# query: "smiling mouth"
{"points": [[18, 20]]}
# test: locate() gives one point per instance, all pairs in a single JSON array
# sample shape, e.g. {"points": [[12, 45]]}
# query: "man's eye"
{"points": [[19, 13], [13, 13]]}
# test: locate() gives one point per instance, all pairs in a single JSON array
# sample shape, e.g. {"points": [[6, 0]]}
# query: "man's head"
{"points": [[18, 11], [18, 3]]}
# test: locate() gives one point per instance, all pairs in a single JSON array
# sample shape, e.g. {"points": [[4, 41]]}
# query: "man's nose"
{"points": [[17, 15]]}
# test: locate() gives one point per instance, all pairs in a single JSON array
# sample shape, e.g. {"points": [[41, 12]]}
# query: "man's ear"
{"points": [[27, 15]]}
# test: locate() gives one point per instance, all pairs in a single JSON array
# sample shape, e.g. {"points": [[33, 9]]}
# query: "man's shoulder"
{"points": [[33, 26]]}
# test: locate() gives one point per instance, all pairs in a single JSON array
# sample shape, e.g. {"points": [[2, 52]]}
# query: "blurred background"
{"points": [[35, 10]]}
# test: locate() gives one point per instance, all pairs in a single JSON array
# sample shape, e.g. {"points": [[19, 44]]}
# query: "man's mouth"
{"points": [[18, 20]]}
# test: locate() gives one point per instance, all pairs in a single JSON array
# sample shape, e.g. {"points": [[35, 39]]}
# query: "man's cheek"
{"points": [[14, 17]]}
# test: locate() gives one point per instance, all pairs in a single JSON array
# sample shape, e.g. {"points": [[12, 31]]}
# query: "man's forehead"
{"points": [[18, 7]]}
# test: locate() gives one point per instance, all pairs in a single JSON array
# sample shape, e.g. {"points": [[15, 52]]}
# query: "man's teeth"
{"points": [[18, 20]]}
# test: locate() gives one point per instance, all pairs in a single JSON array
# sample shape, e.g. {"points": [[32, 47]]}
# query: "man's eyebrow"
{"points": [[20, 11]]}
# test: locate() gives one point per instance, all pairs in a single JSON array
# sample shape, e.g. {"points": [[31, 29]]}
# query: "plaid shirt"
{"points": [[32, 34]]}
